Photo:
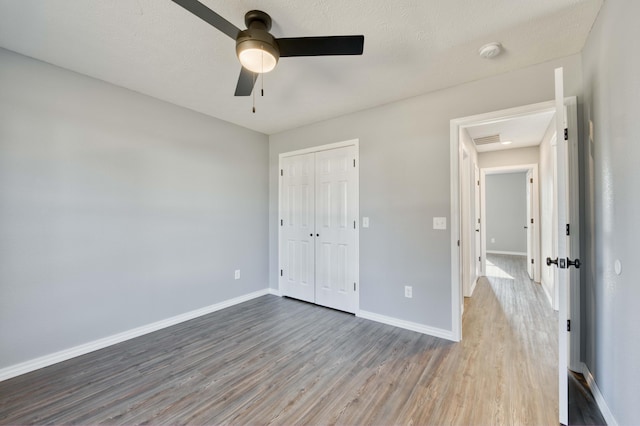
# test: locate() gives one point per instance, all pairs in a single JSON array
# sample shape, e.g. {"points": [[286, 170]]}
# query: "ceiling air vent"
{"points": [[485, 140]]}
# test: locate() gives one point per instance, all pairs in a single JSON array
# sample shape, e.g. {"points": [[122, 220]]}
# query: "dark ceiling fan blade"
{"points": [[209, 16], [246, 81], [321, 46]]}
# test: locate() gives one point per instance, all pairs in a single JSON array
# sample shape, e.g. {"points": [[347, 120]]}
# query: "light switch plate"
{"points": [[439, 223]]}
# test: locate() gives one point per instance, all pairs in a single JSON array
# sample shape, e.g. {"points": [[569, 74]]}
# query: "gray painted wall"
{"points": [[509, 157], [506, 210], [117, 210], [405, 182], [611, 210]]}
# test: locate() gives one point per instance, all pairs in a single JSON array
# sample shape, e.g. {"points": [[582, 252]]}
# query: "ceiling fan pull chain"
{"points": [[253, 96]]}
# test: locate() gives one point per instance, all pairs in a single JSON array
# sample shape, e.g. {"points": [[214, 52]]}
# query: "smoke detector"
{"points": [[490, 50]]}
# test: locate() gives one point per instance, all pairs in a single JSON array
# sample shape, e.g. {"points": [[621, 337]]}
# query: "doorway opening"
{"points": [[565, 241], [536, 157]]}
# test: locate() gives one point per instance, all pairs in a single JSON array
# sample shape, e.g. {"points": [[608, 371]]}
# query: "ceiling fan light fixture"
{"points": [[257, 51]]}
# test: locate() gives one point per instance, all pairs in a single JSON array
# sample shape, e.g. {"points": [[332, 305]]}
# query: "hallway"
{"points": [[513, 327]]}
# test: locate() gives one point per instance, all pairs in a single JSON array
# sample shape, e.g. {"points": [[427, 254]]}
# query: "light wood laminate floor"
{"points": [[279, 361]]}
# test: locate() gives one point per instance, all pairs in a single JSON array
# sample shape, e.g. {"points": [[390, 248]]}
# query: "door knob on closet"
{"points": [[554, 261]]}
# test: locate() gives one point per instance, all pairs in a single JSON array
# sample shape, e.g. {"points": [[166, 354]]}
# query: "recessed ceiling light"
{"points": [[490, 50], [506, 142]]}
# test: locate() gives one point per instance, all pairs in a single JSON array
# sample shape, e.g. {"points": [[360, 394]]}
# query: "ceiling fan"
{"points": [[259, 51]]}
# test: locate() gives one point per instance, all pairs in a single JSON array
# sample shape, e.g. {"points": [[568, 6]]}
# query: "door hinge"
{"points": [[281, 222], [478, 220], [354, 162], [354, 286], [530, 180], [532, 261], [566, 134], [354, 224], [281, 272], [568, 229], [458, 243], [568, 325], [479, 259], [281, 172], [531, 220], [478, 183]]}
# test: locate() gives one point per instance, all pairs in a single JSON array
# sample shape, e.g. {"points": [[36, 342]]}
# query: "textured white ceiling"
{"points": [[411, 47], [522, 131]]}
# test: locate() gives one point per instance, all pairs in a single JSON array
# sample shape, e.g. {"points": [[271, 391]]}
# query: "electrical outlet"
{"points": [[237, 274], [408, 291]]}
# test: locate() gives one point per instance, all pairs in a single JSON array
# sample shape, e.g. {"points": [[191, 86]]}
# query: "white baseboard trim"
{"points": [[85, 348], [602, 404], [473, 286], [274, 291], [512, 253], [546, 291], [408, 325]]}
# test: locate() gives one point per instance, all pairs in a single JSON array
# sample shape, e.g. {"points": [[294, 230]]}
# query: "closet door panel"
{"points": [[297, 211], [335, 217]]}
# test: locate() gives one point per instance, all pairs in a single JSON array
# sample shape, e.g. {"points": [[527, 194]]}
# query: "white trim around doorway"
{"points": [[454, 149]]}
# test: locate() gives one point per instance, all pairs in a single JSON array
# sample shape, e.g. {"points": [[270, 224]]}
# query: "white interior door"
{"points": [[297, 212], [562, 271], [529, 224], [336, 222], [319, 216], [476, 221]]}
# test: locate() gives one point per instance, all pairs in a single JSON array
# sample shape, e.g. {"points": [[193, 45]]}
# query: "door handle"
{"points": [[575, 263], [560, 263]]}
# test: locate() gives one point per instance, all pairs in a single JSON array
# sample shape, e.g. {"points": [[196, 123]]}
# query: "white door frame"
{"points": [[351, 142], [573, 295], [454, 151], [533, 168], [465, 212], [532, 226]]}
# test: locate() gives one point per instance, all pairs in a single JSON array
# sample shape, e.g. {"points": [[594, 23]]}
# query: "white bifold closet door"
{"points": [[318, 210]]}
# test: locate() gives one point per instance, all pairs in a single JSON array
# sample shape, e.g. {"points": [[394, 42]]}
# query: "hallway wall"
{"points": [[506, 210]]}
